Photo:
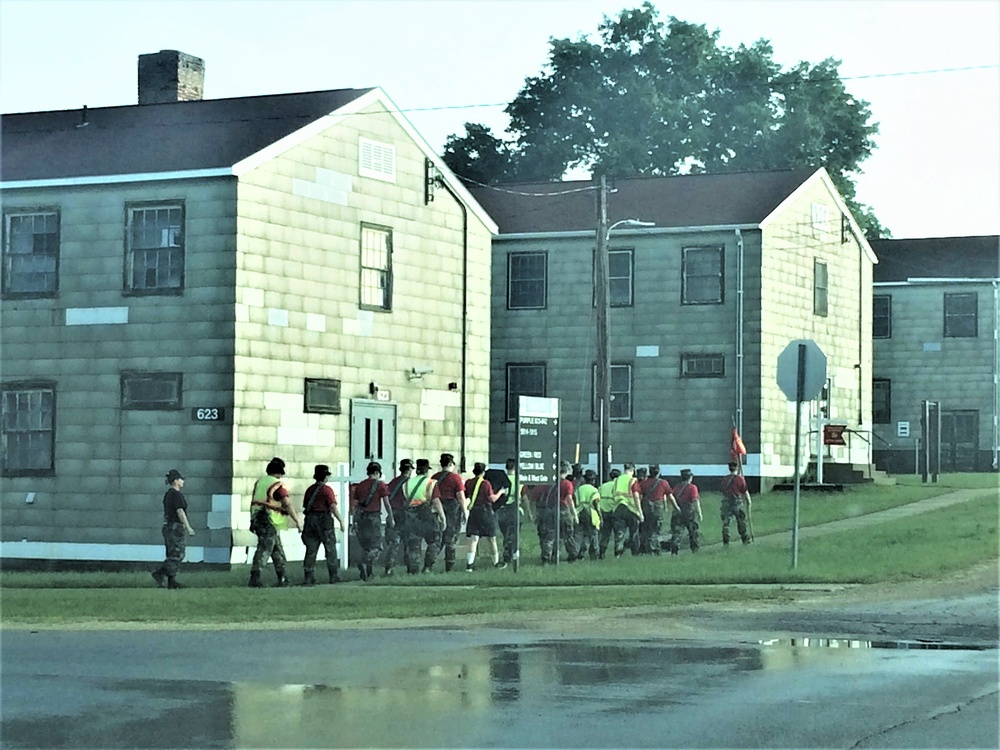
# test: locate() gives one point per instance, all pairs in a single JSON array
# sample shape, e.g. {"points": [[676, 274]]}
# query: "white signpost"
{"points": [[801, 377]]}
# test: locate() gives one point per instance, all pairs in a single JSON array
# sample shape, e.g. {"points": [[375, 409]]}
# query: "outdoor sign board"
{"points": [[537, 440]]}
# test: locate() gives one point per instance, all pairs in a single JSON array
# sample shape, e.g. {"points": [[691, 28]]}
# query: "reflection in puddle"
{"points": [[850, 643], [549, 693]]}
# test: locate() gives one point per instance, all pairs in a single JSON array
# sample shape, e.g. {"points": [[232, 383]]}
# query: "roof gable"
{"points": [[156, 138], [704, 200]]}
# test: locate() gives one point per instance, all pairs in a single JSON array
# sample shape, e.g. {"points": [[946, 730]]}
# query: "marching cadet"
{"points": [[320, 507], [587, 497], [425, 518], [628, 511], [606, 505], [688, 513], [395, 533], [507, 508], [554, 504], [734, 493], [269, 514], [175, 527], [656, 493], [482, 520], [369, 498], [450, 490]]}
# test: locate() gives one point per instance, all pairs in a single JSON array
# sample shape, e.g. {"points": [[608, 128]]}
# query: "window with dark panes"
{"points": [[882, 316], [155, 253], [702, 274], [621, 392], [821, 288], [523, 379], [703, 365], [31, 253], [526, 281], [322, 396], [961, 315], [881, 401], [27, 425], [620, 263], [376, 268], [151, 391]]}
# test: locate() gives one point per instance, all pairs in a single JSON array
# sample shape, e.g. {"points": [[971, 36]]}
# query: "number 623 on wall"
{"points": [[208, 414]]}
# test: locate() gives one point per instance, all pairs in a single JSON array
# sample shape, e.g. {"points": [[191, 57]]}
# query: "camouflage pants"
{"points": [[422, 526], [732, 507], [318, 530], [395, 537], [175, 541], [587, 537], [453, 527], [268, 545], [369, 533], [545, 522], [507, 518], [607, 531], [687, 520], [651, 529], [626, 525]]}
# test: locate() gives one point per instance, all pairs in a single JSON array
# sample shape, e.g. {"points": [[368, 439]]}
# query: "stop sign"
{"points": [[813, 365]]}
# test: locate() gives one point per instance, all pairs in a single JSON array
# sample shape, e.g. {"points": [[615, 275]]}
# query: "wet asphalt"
{"points": [[442, 687]]}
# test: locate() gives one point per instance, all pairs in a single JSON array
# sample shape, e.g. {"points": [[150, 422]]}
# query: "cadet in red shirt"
{"points": [[368, 499], [544, 498], [734, 493], [688, 513], [450, 490], [395, 527], [655, 493], [482, 519]]}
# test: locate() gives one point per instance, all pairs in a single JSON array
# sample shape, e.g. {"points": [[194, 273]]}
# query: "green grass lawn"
{"points": [[926, 545]]}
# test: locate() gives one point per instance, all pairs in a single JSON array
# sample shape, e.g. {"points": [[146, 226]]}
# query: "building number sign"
{"points": [[208, 414]]}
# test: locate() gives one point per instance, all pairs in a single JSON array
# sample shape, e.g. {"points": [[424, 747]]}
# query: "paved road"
{"points": [[444, 687]]}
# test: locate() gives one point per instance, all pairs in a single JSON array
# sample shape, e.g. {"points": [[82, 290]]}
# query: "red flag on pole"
{"points": [[737, 449]]}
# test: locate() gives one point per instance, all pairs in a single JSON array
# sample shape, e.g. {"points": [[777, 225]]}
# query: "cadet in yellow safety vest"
{"points": [[606, 505], [587, 497], [628, 511]]}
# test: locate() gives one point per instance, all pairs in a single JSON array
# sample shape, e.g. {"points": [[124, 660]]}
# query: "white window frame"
{"points": [[819, 215], [376, 160], [821, 288]]}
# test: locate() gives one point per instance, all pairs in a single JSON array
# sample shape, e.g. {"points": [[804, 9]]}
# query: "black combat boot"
{"points": [[160, 576], [310, 579], [255, 580], [172, 583], [283, 580]]}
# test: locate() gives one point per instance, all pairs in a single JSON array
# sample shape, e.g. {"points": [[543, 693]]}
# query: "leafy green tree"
{"points": [[650, 98]]}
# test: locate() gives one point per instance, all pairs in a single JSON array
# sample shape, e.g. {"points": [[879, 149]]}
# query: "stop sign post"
{"points": [[801, 377]]}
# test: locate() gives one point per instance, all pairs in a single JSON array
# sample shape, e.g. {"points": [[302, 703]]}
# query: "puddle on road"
{"points": [[471, 697], [905, 645]]}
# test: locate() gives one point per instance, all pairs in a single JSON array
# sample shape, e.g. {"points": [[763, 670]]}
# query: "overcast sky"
{"points": [[930, 70]]}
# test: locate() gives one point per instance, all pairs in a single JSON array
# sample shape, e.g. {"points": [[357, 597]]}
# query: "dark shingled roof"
{"points": [[938, 258], [168, 137], [684, 201]]}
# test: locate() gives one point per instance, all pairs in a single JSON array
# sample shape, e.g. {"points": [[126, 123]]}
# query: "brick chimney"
{"points": [[170, 76]]}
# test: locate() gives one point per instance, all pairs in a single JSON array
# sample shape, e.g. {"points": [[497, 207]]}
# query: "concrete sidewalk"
{"points": [[891, 514]]}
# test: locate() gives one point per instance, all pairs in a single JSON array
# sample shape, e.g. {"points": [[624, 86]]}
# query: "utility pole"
{"points": [[603, 379]]}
